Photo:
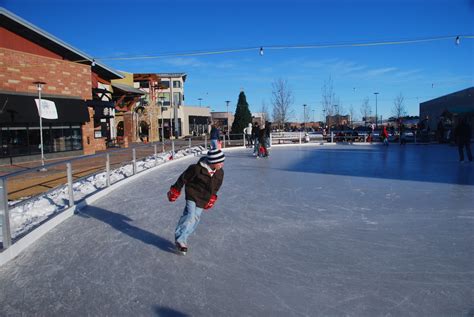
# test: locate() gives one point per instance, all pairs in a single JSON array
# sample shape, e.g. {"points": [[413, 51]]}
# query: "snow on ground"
{"points": [[27, 216]]}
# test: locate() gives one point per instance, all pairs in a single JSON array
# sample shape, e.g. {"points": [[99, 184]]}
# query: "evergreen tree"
{"points": [[242, 116]]}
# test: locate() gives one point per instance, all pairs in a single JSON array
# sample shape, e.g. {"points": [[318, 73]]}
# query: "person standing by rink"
{"points": [[248, 135], [255, 131], [462, 135], [202, 181], [215, 135]]}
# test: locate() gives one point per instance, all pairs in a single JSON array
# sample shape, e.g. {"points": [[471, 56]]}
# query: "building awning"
{"points": [[102, 109], [22, 109], [128, 89]]}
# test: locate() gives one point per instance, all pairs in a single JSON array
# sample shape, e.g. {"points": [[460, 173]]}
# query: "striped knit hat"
{"points": [[215, 156]]}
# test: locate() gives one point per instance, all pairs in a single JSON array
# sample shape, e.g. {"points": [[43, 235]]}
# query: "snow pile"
{"points": [[29, 215]]}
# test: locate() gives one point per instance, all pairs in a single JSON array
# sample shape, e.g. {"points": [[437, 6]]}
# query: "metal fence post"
{"points": [[205, 141], [224, 140], [134, 153], [156, 153], [107, 170], [69, 184], [300, 137], [7, 238], [332, 137], [172, 148], [243, 134]]}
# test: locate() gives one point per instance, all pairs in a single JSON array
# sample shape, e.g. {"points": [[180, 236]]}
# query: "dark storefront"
{"points": [[20, 129], [198, 125], [104, 112]]}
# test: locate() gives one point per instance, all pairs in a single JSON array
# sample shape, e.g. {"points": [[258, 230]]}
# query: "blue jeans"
{"points": [[214, 144], [188, 222]]}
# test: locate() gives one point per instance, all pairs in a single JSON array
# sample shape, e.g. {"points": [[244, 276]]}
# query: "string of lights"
{"points": [[261, 49]]}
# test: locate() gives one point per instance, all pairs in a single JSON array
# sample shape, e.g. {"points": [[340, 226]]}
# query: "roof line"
{"points": [[51, 37]]}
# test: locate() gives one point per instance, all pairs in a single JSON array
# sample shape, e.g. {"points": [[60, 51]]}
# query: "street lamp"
{"points": [[376, 115], [39, 87], [228, 120], [162, 98], [304, 117]]}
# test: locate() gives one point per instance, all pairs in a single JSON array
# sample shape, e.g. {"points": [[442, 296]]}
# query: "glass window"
{"points": [[76, 137], [164, 84], [59, 143], [166, 100], [18, 141], [4, 137], [177, 98], [144, 84], [176, 84]]}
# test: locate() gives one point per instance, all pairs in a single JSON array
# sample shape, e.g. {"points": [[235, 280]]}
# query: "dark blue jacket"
{"points": [[214, 133]]}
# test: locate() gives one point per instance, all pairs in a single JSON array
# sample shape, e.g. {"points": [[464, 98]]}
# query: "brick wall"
{"points": [[88, 143], [18, 70]]}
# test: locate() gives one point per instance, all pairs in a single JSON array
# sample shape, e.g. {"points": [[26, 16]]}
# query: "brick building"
{"points": [[73, 82]]}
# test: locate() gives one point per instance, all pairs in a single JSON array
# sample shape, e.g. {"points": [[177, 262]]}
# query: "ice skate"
{"points": [[181, 248]]}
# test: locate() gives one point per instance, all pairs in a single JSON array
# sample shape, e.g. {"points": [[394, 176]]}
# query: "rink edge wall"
{"points": [[16, 248]]}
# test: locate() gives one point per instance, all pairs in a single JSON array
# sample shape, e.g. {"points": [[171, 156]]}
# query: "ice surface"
{"points": [[311, 231]]}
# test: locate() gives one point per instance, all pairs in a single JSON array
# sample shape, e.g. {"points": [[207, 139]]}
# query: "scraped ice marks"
{"points": [[367, 221]]}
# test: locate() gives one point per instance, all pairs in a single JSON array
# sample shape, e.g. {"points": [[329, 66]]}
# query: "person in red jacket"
{"points": [[384, 136], [202, 182]]}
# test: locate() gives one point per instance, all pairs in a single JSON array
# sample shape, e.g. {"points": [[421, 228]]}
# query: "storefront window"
{"points": [[76, 137], [18, 141]]}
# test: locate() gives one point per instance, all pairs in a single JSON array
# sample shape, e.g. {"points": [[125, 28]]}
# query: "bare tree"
{"points": [[264, 111], [352, 114], [328, 98], [365, 109], [282, 99], [399, 109]]}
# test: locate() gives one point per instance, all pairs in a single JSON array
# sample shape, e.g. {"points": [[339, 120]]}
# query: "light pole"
{"points": [[325, 121], [304, 117], [162, 126], [376, 115], [39, 86], [228, 120], [199, 101]]}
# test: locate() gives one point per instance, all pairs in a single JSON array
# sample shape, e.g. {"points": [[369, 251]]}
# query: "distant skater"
{"points": [[384, 136], [215, 135], [262, 147], [202, 182], [462, 135]]}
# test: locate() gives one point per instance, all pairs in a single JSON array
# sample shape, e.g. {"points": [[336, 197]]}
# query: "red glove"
{"points": [[173, 194], [211, 202]]}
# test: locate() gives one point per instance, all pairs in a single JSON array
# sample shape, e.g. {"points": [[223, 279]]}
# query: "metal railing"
{"points": [[67, 182]]}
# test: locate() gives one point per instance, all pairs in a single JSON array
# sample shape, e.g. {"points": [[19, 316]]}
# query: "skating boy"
{"points": [[202, 181]]}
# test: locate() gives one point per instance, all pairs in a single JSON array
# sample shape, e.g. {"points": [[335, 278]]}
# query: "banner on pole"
{"points": [[48, 109]]}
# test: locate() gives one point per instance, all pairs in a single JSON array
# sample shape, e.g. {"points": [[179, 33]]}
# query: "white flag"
{"points": [[48, 109]]}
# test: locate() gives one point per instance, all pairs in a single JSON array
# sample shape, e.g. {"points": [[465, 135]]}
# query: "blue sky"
{"points": [[419, 71]]}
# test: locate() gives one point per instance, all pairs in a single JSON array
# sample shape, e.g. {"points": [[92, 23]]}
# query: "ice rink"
{"points": [[340, 230]]}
